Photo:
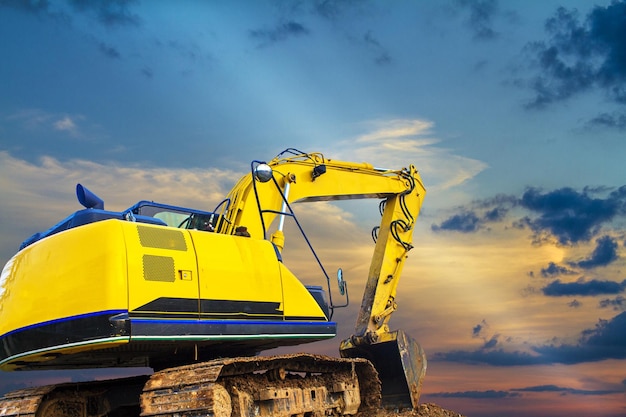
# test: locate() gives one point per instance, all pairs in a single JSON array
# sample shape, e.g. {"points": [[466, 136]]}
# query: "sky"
{"points": [[514, 112]]}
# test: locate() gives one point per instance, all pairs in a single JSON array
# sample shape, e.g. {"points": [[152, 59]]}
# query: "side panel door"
{"points": [[162, 272], [239, 277]]}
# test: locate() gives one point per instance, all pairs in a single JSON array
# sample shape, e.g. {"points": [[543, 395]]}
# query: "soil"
{"points": [[424, 410], [433, 410]]}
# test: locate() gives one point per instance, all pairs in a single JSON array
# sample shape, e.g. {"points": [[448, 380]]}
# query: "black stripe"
{"points": [[190, 307], [245, 307], [171, 305]]}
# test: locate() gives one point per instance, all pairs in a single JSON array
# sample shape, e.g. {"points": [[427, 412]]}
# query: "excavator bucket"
{"points": [[401, 365]]}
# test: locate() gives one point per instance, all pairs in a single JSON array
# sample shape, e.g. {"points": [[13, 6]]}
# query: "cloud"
{"points": [[478, 329], [604, 253], [618, 303], [50, 183], [40, 120], [110, 13], [27, 6], [569, 215], [606, 341], [581, 55], [583, 288], [481, 15], [279, 33], [382, 55], [496, 357], [488, 394], [566, 215], [553, 269], [109, 51], [478, 215], [517, 392], [469, 221], [66, 124], [610, 120], [332, 9], [565, 390], [392, 143], [464, 222], [147, 72], [396, 128]]}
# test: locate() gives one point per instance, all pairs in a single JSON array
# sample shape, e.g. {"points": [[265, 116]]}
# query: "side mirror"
{"points": [[263, 173], [340, 282]]}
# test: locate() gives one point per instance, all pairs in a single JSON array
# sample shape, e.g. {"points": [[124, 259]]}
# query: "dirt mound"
{"points": [[424, 410]]}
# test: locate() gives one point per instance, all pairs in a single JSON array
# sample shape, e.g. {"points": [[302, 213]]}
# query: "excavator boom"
{"points": [[399, 359]]}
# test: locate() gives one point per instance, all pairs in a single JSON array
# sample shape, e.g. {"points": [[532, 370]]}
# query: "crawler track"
{"points": [[286, 385]]}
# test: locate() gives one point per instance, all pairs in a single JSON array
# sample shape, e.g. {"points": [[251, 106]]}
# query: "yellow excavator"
{"points": [[197, 295]]}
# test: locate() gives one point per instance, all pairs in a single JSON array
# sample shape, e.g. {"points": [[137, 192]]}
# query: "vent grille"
{"points": [[158, 268], [160, 238]]}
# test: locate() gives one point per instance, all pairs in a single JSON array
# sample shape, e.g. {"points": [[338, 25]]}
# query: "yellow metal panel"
{"points": [[79, 271], [298, 300], [237, 268], [161, 263]]}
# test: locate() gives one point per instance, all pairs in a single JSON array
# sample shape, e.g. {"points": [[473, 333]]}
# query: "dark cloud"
{"points": [[28, 6], [565, 390], [478, 329], [553, 270], [464, 222], [492, 342], [382, 55], [581, 54], [501, 203], [481, 16], [280, 32], [469, 221], [475, 394], [612, 120], [517, 392], [569, 215], [604, 253], [338, 12], [606, 341], [574, 304], [496, 357], [332, 9], [109, 51], [618, 303], [583, 288], [566, 214], [108, 12], [147, 72], [496, 214]]}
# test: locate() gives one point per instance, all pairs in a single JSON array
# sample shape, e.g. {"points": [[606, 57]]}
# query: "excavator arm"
{"points": [[272, 186]]}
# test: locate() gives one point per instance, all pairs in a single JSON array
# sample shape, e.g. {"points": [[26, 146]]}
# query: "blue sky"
{"points": [[513, 111]]}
